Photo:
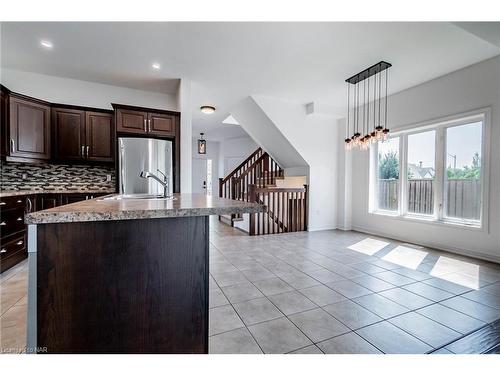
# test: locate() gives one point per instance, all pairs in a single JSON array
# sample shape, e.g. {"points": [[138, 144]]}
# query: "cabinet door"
{"points": [[29, 129], [46, 201], [128, 121], [161, 124], [100, 136], [74, 197], [4, 120], [69, 133]]}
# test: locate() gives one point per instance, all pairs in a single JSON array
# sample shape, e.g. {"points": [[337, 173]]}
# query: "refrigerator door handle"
{"points": [[149, 125], [145, 129]]}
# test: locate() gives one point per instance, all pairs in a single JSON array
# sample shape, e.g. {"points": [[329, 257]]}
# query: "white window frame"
{"points": [[440, 126]]}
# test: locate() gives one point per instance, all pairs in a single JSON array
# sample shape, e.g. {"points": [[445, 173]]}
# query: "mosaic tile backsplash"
{"points": [[55, 177]]}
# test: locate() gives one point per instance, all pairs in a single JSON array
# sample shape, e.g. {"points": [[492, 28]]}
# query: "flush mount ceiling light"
{"points": [[46, 44], [156, 66], [361, 129], [207, 109]]}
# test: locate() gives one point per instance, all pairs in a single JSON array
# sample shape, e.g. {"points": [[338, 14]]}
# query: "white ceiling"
{"points": [[227, 62]]}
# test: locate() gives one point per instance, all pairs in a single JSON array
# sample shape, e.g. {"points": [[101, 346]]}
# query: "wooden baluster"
{"points": [[252, 216], [306, 205]]}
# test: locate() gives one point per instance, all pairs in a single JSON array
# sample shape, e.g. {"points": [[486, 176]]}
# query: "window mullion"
{"points": [[440, 173], [403, 172]]}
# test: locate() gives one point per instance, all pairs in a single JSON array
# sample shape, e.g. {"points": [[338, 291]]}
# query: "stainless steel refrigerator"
{"points": [[144, 154]]}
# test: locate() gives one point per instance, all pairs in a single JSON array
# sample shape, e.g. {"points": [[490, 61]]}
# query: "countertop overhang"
{"points": [[131, 209]]}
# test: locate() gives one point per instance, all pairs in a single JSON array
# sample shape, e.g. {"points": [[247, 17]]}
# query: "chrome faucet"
{"points": [[162, 181]]}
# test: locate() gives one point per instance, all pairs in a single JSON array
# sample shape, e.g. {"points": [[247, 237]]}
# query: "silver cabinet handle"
{"points": [[19, 201], [145, 129], [3, 223], [83, 151], [19, 219], [2, 203], [12, 145], [88, 147], [19, 242], [30, 204], [3, 251], [149, 125]]}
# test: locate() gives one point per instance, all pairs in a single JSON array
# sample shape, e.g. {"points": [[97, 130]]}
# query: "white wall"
{"points": [[471, 88], [185, 107], [315, 137], [89, 94], [233, 151], [256, 122]]}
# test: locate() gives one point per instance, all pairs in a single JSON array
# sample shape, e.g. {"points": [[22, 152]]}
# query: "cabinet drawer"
{"points": [[8, 203], [11, 221], [13, 251]]}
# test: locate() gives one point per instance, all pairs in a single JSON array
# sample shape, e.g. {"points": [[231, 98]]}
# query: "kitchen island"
{"points": [[122, 276]]}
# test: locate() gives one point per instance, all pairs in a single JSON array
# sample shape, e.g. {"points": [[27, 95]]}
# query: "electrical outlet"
{"points": [[108, 177]]}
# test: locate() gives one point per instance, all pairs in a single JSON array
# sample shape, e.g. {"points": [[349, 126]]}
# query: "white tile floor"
{"points": [[321, 292], [342, 292]]}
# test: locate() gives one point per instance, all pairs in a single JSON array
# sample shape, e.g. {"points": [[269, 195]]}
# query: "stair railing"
{"points": [[286, 210]]}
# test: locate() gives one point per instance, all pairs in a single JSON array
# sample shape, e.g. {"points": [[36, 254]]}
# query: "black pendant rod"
{"points": [[379, 95], [385, 118], [348, 109]]}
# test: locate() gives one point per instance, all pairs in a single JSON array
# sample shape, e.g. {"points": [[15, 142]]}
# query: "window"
{"points": [[463, 171], [388, 175], [443, 169], [420, 172]]}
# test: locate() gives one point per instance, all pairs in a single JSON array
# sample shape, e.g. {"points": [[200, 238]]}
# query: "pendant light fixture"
{"points": [[367, 107], [202, 145]]}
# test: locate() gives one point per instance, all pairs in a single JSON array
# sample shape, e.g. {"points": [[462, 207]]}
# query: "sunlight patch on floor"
{"points": [[406, 256], [368, 246], [457, 271]]}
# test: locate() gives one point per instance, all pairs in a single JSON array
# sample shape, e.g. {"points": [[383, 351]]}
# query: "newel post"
{"points": [[220, 186]]}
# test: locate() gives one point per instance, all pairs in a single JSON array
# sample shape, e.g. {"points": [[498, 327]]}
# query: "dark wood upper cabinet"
{"points": [[29, 129], [81, 135], [68, 126], [161, 124], [131, 121], [143, 121], [100, 136]]}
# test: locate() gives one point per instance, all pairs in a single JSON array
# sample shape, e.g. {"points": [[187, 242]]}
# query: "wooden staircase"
{"points": [[254, 180]]}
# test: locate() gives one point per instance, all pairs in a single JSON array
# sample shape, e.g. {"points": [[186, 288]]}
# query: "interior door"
{"points": [[199, 180]]}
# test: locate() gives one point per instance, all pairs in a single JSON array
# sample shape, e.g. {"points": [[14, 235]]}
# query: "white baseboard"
{"points": [[430, 244]]}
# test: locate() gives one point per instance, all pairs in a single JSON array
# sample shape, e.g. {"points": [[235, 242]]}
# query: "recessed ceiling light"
{"points": [[46, 44], [207, 109], [156, 66]]}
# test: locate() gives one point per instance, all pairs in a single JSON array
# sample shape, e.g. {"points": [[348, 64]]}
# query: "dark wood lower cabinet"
{"points": [[13, 238], [130, 286]]}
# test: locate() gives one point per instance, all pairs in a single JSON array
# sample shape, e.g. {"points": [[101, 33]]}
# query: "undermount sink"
{"points": [[136, 196]]}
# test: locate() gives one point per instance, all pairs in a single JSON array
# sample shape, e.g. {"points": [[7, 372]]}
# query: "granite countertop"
{"points": [[130, 209], [15, 193]]}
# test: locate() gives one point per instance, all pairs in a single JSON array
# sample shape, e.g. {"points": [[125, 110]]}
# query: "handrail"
{"points": [[225, 179], [249, 169]]}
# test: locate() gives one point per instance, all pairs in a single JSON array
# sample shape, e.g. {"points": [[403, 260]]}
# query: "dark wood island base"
{"points": [[128, 286]]}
